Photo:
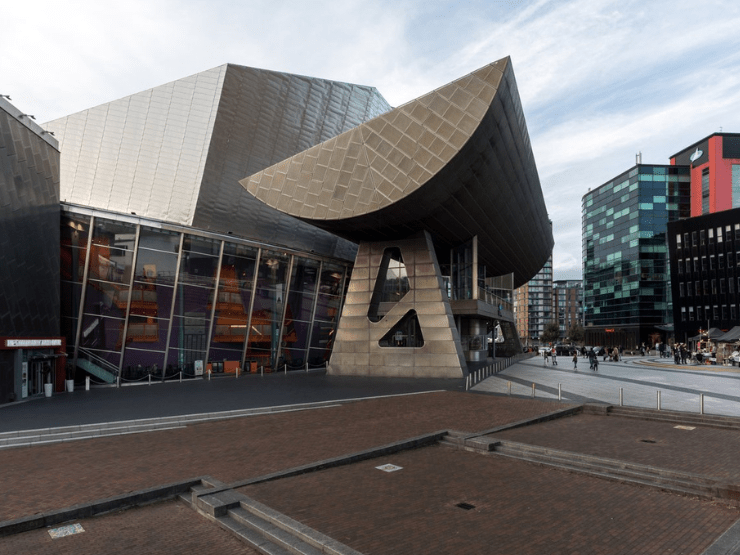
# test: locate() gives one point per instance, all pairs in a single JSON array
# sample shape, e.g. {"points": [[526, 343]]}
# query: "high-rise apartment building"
{"points": [[533, 306], [625, 253], [567, 304]]}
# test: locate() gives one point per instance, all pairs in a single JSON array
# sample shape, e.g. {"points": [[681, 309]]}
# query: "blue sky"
{"points": [[600, 80]]}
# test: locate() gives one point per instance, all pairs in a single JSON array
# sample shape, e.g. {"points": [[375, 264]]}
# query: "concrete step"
{"points": [[268, 533], [22, 440], [616, 470], [263, 528], [685, 418], [85, 431]]}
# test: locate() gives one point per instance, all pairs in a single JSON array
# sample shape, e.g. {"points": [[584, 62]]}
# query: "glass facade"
{"points": [[625, 253], [142, 298]]}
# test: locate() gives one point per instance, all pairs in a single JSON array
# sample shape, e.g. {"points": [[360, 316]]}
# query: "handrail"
{"points": [[100, 361]]}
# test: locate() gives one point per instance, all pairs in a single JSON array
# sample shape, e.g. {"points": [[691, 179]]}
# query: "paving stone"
{"points": [[168, 528]]}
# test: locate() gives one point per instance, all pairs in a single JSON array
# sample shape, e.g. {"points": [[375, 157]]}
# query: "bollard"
{"points": [[621, 397], [659, 399], [307, 367], [533, 391], [701, 403], [509, 387], [87, 383], [209, 374], [262, 370], [180, 376], [560, 392], [150, 379]]}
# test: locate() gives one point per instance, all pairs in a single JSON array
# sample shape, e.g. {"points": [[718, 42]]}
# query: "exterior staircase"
{"points": [[259, 526]]}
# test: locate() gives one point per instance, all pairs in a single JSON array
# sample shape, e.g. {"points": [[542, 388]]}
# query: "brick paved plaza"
{"points": [[518, 506]]}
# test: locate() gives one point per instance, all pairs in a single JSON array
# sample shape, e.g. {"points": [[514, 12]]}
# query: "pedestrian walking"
{"points": [[575, 360], [545, 354], [554, 357]]}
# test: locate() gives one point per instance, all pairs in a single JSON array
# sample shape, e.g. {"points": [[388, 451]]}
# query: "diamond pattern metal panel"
{"points": [[29, 231], [358, 336], [456, 162], [265, 117]]}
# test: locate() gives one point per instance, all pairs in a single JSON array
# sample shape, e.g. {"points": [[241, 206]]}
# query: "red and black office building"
{"points": [[705, 248]]}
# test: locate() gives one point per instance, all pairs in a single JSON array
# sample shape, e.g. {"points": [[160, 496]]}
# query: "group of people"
{"points": [[680, 353], [593, 358]]}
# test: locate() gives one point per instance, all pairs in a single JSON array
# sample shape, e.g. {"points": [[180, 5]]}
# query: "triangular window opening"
{"points": [[406, 333], [391, 286]]}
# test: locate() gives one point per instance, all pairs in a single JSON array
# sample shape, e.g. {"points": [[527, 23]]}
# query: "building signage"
{"points": [[696, 155], [33, 343]]}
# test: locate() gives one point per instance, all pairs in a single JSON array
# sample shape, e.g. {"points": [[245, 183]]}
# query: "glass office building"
{"points": [[143, 297], [625, 253]]}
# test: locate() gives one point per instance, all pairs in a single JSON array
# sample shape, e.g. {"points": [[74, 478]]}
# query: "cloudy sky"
{"points": [[600, 80]]}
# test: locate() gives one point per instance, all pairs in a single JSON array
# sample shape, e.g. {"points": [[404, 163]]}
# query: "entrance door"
{"points": [[36, 378]]}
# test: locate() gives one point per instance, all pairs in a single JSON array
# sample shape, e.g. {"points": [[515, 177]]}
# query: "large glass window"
{"points": [[328, 303], [74, 235], [233, 302], [267, 315], [301, 300]]}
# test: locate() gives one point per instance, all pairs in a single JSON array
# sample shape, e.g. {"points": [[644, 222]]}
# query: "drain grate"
{"points": [[466, 506], [648, 441]]}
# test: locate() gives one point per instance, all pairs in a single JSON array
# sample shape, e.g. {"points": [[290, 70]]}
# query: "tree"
{"points": [[551, 333], [576, 333]]}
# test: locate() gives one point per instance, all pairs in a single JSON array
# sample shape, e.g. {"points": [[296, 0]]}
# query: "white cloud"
{"points": [[600, 79]]}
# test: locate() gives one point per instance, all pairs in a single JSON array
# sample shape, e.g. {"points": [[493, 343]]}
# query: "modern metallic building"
{"points": [[176, 152], [449, 176], [170, 266], [625, 253], [30, 346]]}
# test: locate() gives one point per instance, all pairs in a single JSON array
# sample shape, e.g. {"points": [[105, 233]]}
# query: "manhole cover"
{"points": [[466, 506], [685, 427], [648, 441]]}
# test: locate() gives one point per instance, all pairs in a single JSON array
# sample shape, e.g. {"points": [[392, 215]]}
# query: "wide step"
{"points": [[261, 527], [612, 469]]}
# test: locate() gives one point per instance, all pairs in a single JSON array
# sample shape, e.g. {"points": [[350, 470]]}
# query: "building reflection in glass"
{"points": [[143, 300]]}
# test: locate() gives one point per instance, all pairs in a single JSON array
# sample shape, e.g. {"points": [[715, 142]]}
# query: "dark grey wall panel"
{"points": [[29, 229]]}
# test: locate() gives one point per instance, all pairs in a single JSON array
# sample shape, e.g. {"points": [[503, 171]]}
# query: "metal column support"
{"points": [[215, 302], [81, 310], [174, 299], [128, 304], [251, 305]]}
